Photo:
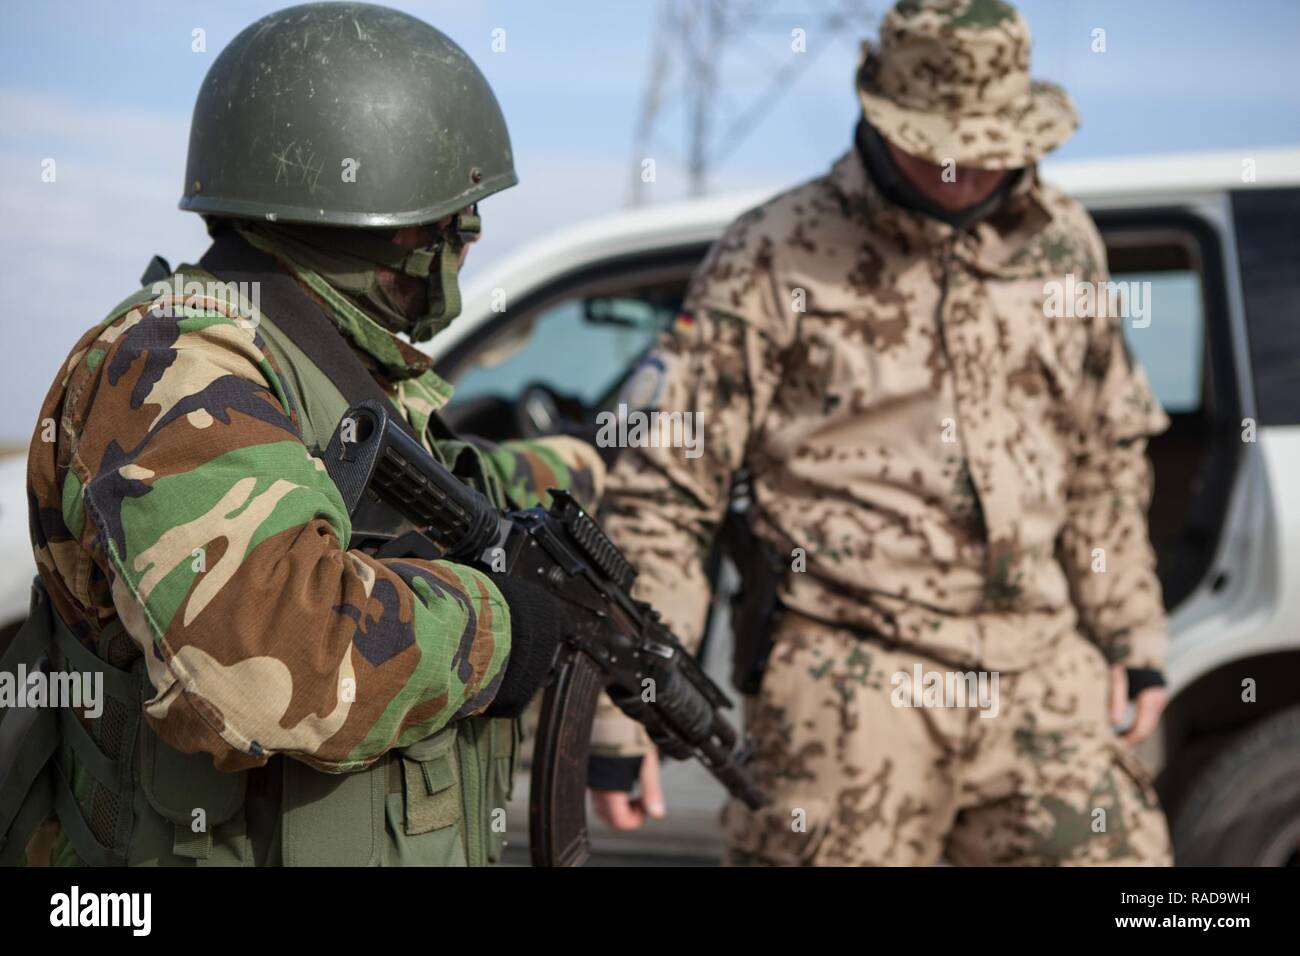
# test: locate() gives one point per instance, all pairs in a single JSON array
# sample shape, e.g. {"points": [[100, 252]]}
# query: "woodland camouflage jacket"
{"points": [[170, 487]]}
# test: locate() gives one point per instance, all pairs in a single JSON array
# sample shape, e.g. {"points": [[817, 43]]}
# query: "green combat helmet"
{"points": [[344, 114], [320, 125]]}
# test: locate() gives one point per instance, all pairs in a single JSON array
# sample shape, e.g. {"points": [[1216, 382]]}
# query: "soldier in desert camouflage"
{"points": [[940, 464], [302, 702]]}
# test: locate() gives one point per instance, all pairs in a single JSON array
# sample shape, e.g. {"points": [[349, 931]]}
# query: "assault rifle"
{"points": [[404, 503]]}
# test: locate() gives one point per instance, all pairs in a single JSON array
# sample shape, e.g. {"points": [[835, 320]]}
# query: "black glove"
{"points": [[1140, 678], [536, 629], [613, 773]]}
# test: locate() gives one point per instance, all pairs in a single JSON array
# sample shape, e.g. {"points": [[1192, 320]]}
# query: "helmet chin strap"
{"points": [[443, 275], [347, 259]]}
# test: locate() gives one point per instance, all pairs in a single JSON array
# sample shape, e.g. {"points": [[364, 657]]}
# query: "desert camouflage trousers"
{"points": [[865, 769]]}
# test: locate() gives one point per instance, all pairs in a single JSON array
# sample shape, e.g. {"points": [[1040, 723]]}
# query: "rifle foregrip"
{"points": [[369, 452]]}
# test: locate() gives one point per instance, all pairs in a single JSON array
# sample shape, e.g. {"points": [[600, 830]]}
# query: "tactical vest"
{"points": [[123, 796]]}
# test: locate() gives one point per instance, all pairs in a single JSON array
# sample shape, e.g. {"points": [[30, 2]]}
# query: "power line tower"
{"points": [[699, 48]]}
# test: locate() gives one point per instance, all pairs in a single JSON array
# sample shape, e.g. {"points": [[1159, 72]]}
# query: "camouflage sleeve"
{"points": [[528, 469], [662, 505], [1104, 546], [222, 539]]}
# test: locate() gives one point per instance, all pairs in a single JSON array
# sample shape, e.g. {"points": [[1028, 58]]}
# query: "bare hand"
{"points": [[1150, 704], [622, 811]]}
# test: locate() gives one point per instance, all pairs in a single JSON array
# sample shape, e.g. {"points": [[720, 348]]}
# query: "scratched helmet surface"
{"points": [[949, 80], [344, 114]]}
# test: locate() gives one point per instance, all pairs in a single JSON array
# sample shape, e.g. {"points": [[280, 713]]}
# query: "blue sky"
{"points": [[106, 90]]}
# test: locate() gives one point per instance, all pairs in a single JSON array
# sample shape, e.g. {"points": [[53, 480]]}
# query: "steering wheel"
{"points": [[540, 411]]}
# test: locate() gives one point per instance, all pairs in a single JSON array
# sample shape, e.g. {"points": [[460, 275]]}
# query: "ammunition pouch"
{"points": [[54, 763]]}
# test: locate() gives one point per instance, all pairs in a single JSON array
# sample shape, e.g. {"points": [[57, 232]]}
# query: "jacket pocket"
{"points": [[203, 806], [424, 809], [430, 783]]}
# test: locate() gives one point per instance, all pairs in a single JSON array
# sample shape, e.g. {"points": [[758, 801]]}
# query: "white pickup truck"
{"points": [[549, 335]]}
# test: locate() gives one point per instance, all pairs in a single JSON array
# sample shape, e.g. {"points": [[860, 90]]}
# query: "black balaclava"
{"points": [[898, 189], [347, 260]]}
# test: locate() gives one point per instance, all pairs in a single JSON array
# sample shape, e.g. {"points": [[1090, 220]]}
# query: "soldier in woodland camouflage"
{"points": [[940, 464], [185, 528]]}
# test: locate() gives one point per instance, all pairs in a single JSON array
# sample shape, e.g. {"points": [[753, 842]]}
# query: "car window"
{"points": [[1167, 337], [580, 348], [583, 346], [1268, 248]]}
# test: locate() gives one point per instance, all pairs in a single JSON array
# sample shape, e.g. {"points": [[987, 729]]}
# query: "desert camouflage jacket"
{"points": [[170, 488], [936, 460]]}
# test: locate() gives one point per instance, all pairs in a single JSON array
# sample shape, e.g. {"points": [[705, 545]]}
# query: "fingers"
{"points": [[1118, 694], [621, 811], [1150, 705], [652, 790], [617, 809]]}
